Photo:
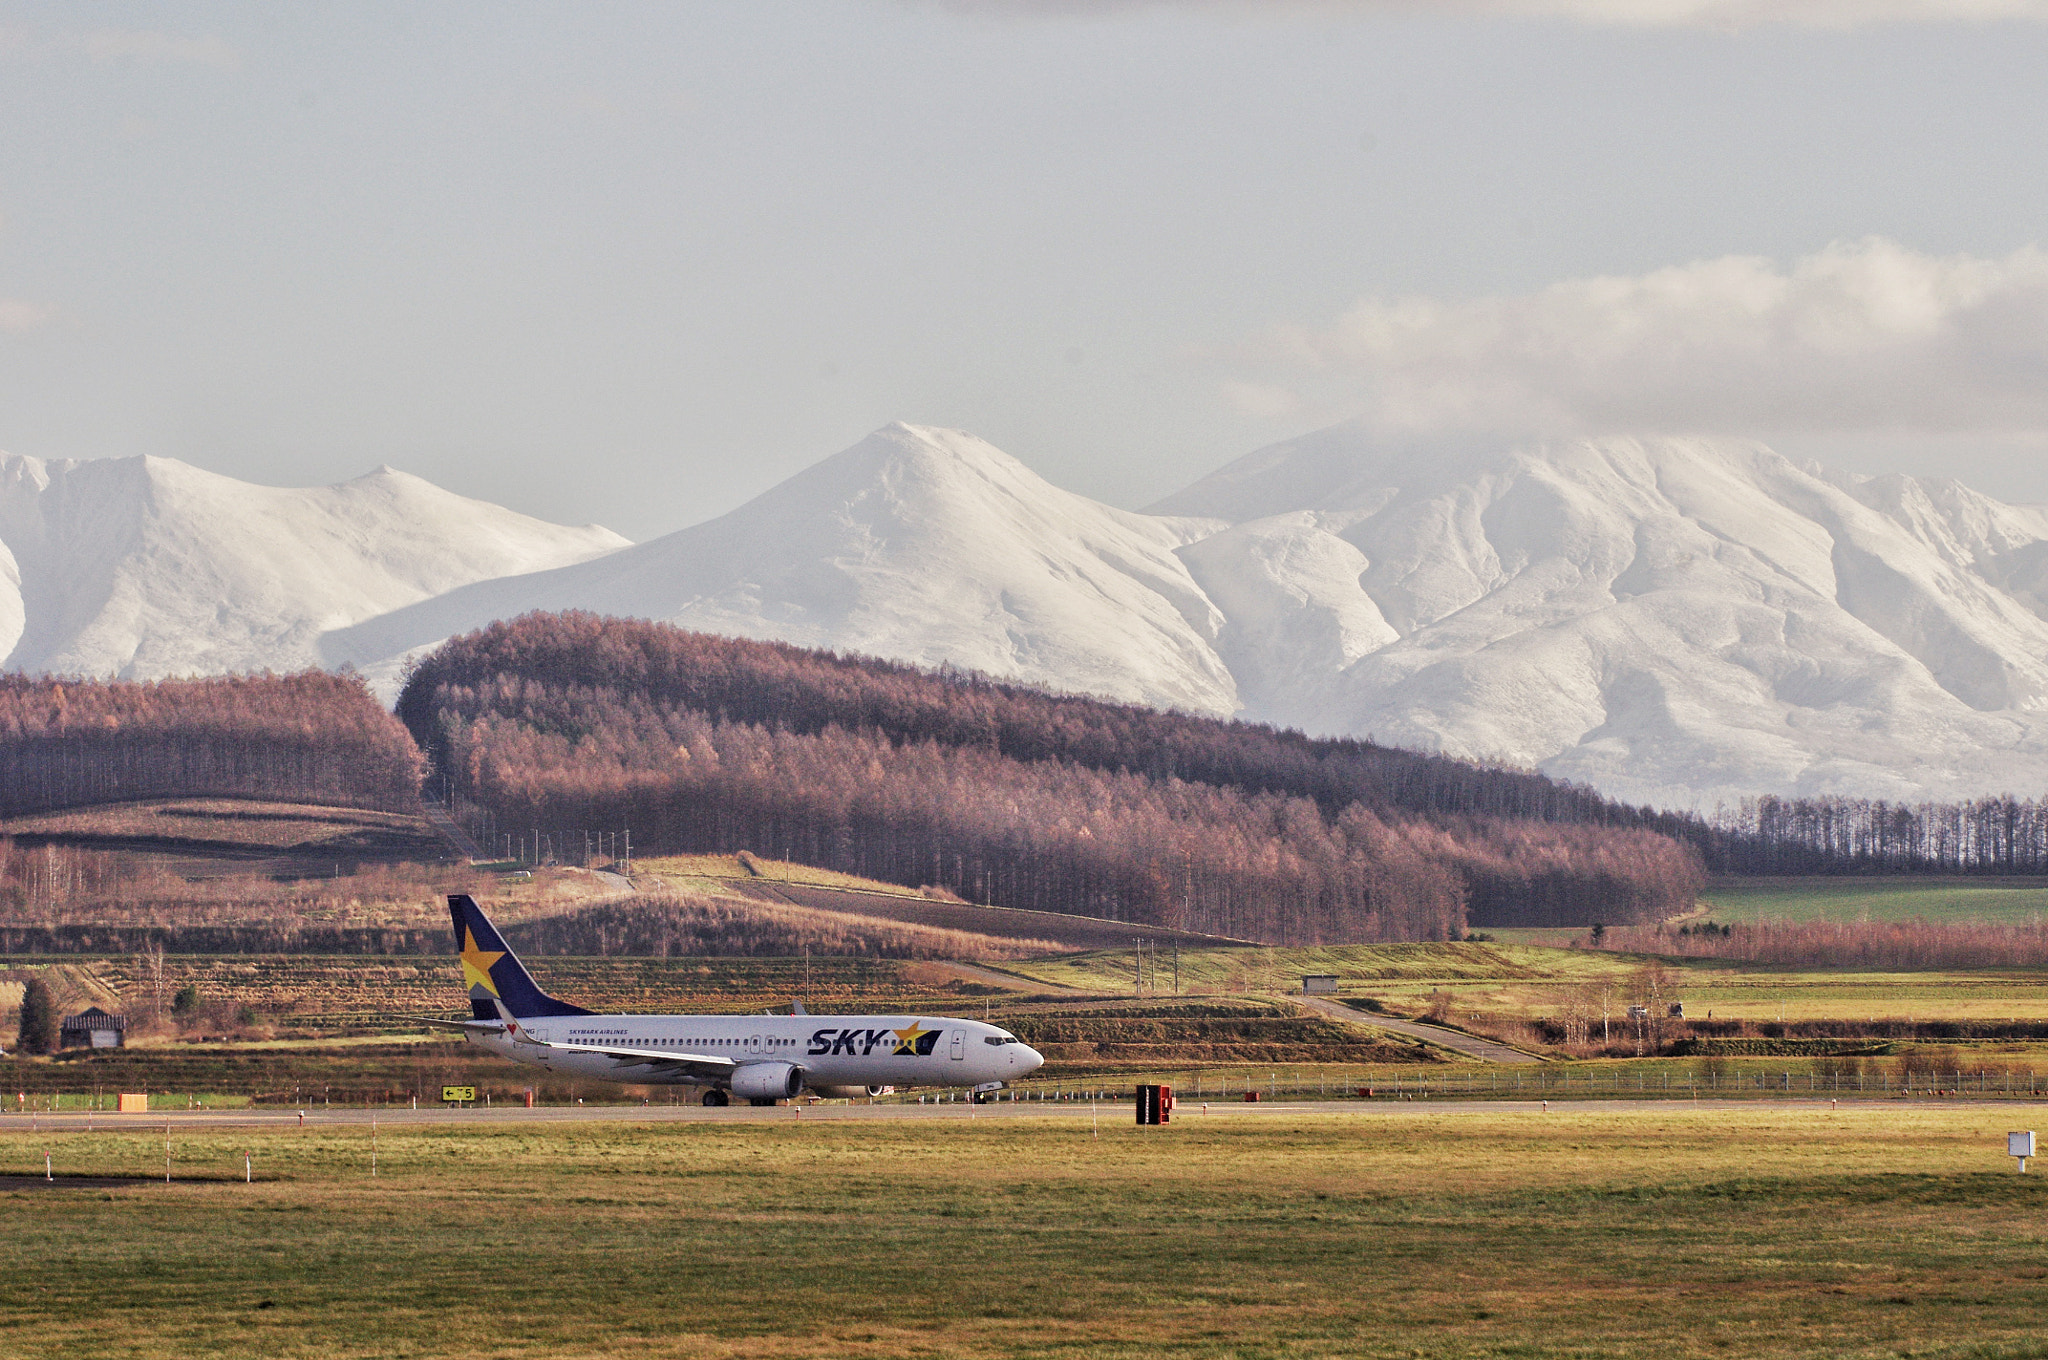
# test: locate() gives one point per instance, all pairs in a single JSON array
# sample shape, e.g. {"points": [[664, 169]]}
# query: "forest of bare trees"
{"points": [[1996, 835], [803, 690], [1871, 946], [310, 738], [567, 722]]}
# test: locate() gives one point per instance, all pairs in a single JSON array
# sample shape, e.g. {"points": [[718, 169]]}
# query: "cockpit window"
{"points": [[1001, 1039]]}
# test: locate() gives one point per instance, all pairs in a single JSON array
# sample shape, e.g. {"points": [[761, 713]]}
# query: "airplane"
{"points": [[758, 1058]]}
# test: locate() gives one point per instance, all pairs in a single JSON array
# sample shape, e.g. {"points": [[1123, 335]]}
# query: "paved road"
{"points": [[1471, 1045], [1009, 982], [451, 831], [1109, 1111]]}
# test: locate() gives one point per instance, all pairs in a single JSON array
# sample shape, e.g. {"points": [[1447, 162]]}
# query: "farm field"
{"points": [[2016, 901], [1595, 1231], [827, 890], [315, 994], [1517, 980], [198, 836], [702, 871]]}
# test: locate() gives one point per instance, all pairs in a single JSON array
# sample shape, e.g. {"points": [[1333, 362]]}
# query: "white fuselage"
{"points": [[832, 1050]]}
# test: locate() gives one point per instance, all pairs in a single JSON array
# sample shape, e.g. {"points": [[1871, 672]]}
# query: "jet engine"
{"points": [[767, 1081], [850, 1092]]}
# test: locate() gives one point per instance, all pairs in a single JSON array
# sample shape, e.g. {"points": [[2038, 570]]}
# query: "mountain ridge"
{"points": [[146, 567], [1671, 620]]}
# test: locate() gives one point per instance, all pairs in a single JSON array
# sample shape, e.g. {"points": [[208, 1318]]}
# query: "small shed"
{"points": [[92, 1029], [1319, 982]]}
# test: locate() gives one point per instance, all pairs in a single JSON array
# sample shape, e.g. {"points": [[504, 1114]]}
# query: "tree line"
{"points": [[1865, 946], [806, 690], [1000, 794], [1770, 835], [307, 738]]}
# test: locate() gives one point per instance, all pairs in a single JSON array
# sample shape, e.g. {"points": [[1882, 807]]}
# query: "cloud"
{"points": [[1864, 336], [1261, 399], [16, 315], [1711, 14], [104, 46], [150, 47]]}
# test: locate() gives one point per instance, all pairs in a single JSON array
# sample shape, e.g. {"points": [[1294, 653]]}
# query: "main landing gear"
{"points": [[715, 1099]]}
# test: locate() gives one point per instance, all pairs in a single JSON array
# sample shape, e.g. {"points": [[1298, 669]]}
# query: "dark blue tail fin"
{"points": [[492, 970]]}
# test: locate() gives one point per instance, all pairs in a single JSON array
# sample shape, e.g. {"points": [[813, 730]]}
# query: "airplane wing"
{"points": [[457, 1026], [697, 1064]]}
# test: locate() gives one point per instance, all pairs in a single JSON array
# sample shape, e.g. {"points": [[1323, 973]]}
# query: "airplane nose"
{"points": [[1028, 1058]]}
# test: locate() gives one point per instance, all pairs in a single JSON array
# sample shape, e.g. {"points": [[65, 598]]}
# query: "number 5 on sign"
{"points": [[458, 1095]]}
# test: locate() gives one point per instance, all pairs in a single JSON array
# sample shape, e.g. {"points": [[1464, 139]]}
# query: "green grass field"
{"points": [[1522, 980], [1281, 969], [2011, 902], [1594, 1232]]}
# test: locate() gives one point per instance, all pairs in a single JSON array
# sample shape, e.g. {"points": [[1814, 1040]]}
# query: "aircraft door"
{"points": [[754, 1044], [959, 1044]]}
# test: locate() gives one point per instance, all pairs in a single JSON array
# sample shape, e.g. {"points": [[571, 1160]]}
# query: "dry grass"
{"points": [[1595, 1233], [676, 923]]}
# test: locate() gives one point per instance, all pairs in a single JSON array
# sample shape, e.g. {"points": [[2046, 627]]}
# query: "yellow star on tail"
{"points": [[476, 963], [906, 1039]]}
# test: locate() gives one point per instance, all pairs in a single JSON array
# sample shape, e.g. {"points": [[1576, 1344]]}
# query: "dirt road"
{"points": [[1471, 1045]]}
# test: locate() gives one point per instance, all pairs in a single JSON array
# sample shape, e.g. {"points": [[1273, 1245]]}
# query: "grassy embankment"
{"points": [[2018, 901], [1610, 1232]]}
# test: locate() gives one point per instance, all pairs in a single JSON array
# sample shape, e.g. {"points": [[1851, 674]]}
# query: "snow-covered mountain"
{"points": [[1672, 620], [147, 567], [920, 544]]}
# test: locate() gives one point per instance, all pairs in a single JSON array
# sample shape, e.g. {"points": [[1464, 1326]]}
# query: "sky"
{"points": [[635, 263]]}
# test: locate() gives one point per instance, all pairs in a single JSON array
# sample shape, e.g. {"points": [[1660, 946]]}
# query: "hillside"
{"points": [[825, 890], [202, 837], [565, 724]]}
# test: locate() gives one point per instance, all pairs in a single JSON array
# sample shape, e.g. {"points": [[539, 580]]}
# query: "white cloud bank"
{"points": [[16, 315], [150, 47], [134, 46], [1709, 14], [1862, 337]]}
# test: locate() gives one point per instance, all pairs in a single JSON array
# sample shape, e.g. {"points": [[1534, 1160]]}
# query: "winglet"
{"points": [[494, 975]]}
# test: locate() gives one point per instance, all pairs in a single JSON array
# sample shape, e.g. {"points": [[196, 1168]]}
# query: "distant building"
{"points": [[92, 1029], [1319, 982]]}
